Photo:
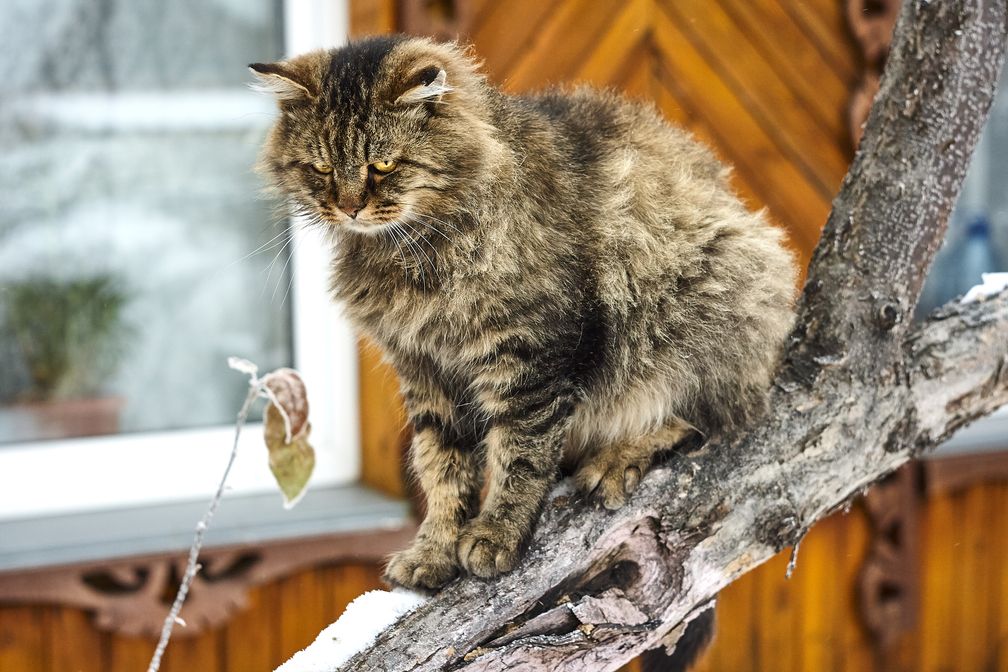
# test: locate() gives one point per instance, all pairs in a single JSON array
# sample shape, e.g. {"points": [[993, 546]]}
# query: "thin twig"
{"points": [[193, 566]]}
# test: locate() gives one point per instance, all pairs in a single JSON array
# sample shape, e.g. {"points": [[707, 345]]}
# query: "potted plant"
{"points": [[69, 335]]}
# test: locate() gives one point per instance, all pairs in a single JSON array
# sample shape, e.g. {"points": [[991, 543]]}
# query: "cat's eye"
{"points": [[383, 167], [323, 168]]}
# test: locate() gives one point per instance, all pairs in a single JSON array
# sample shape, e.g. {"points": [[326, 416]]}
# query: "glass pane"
{"points": [[135, 253], [977, 238]]}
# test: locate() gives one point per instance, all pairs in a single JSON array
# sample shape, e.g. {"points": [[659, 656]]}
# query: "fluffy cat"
{"points": [[561, 278]]}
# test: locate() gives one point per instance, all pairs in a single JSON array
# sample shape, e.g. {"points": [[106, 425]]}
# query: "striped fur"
{"points": [[557, 278]]}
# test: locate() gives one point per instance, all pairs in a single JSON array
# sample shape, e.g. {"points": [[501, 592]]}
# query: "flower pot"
{"points": [[60, 419]]}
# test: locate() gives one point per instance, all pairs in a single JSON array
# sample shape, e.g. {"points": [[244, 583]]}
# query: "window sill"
{"points": [[242, 520]]}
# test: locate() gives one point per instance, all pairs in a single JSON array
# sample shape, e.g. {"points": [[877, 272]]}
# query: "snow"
{"points": [[362, 621], [991, 285]]}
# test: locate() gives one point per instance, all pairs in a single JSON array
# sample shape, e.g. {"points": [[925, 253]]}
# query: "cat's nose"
{"points": [[350, 205]]}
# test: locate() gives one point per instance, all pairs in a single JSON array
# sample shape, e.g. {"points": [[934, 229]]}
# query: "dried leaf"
{"points": [[291, 462], [286, 388], [286, 430]]}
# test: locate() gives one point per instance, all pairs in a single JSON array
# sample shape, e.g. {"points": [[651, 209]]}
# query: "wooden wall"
{"points": [[281, 619], [811, 623]]}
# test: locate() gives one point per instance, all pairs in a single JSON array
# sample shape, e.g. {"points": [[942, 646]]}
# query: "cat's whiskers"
{"points": [[415, 246], [439, 221], [419, 234], [415, 217], [421, 219], [405, 238], [269, 268], [307, 219], [290, 279], [392, 233], [268, 245]]}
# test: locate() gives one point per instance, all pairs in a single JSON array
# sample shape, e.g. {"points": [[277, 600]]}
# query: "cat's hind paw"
{"points": [[611, 480]]}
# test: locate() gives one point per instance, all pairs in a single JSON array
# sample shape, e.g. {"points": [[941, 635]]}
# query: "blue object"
{"points": [[976, 256], [959, 265]]}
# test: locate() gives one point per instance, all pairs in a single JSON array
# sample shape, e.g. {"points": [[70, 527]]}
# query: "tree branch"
{"points": [[860, 391], [959, 367]]}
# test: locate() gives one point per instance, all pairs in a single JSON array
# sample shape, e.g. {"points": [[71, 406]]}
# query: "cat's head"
{"points": [[382, 130]]}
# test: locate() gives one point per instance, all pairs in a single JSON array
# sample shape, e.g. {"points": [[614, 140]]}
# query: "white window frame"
{"points": [[74, 475]]}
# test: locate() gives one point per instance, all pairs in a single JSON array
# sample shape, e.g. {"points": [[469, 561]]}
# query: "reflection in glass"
{"points": [[130, 222]]}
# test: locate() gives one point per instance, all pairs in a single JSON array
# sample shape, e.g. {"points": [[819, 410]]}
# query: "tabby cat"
{"points": [[560, 279]]}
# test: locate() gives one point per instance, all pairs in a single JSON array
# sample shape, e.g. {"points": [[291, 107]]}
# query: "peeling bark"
{"points": [[861, 390]]}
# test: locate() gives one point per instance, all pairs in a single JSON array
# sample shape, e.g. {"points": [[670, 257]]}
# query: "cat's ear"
{"points": [[427, 85], [283, 81]]}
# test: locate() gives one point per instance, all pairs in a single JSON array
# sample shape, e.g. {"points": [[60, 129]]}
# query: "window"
{"points": [[136, 255]]}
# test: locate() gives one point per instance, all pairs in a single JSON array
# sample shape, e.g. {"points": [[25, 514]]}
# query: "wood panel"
{"points": [[23, 642], [373, 17], [82, 648], [280, 619], [251, 640], [384, 427], [810, 623], [767, 82]]}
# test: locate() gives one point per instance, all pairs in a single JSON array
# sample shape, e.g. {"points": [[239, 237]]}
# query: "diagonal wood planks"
{"points": [[764, 83]]}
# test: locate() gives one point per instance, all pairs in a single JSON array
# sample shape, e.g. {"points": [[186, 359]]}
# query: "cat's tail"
{"points": [[691, 644]]}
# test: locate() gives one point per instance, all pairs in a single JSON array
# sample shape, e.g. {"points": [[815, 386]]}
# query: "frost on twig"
{"points": [[291, 459]]}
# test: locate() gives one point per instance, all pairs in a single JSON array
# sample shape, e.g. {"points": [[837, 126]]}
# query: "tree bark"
{"points": [[860, 391]]}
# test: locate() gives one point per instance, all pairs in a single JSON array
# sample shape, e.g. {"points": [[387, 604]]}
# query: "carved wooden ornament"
{"points": [[131, 596], [872, 23]]}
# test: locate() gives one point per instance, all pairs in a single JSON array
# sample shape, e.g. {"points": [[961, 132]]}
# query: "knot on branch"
{"points": [[888, 316], [779, 527]]}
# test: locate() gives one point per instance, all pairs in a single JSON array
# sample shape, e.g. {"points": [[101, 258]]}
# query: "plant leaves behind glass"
{"points": [[70, 333], [286, 430]]}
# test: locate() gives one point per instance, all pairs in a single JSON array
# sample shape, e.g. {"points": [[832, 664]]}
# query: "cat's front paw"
{"points": [[486, 549], [422, 565]]}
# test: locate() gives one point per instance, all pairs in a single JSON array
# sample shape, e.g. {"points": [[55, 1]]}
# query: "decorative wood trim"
{"points": [[131, 596], [872, 23], [946, 475], [889, 581]]}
